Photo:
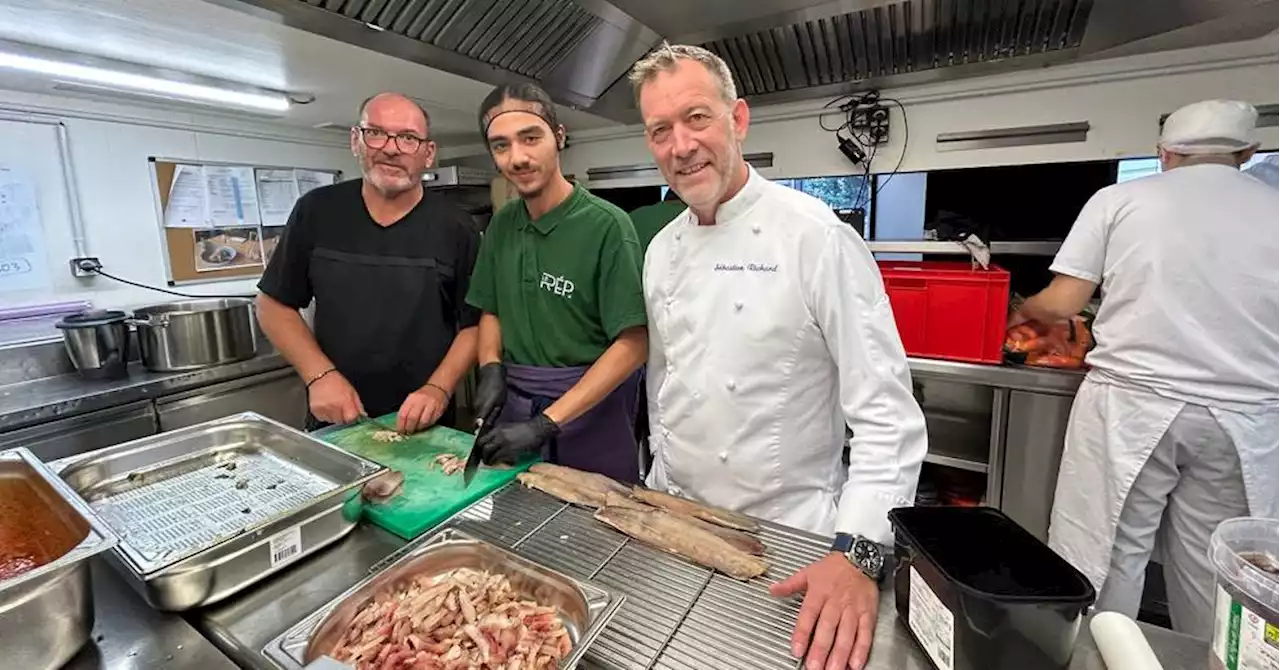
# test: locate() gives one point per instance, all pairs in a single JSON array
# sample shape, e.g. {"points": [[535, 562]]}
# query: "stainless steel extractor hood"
{"points": [[575, 48], [778, 50]]}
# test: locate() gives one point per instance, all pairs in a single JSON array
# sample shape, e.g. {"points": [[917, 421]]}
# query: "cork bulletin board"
{"points": [[234, 236]]}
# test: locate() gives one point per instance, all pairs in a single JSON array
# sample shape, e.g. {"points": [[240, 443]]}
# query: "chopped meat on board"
{"points": [[461, 619], [450, 464], [386, 436]]}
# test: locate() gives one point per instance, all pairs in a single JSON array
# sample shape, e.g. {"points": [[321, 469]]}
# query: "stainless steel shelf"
{"points": [[953, 462], [1028, 248]]}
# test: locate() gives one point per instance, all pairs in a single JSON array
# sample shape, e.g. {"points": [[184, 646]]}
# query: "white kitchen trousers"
{"points": [[1190, 484]]}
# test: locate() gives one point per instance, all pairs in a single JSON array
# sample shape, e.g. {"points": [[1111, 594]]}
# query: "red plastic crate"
{"points": [[948, 310]]}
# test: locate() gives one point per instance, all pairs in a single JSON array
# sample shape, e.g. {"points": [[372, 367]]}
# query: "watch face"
{"points": [[867, 556]]}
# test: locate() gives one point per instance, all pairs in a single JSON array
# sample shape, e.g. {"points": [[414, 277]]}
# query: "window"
{"points": [[1133, 168], [843, 193]]}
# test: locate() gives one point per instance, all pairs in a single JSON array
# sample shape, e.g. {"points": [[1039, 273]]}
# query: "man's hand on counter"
{"points": [[334, 400], [839, 613], [421, 409]]}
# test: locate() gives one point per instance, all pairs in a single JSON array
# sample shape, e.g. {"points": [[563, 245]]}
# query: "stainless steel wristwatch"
{"points": [[864, 554]]}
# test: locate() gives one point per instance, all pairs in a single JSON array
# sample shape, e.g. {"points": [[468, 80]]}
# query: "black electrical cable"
{"points": [[866, 179], [99, 271], [906, 137]]}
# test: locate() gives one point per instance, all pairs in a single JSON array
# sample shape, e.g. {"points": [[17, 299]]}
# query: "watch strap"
{"points": [[843, 543]]}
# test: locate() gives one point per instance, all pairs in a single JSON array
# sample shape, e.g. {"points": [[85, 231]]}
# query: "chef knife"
{"points": [[364, 418], [473, 459]]}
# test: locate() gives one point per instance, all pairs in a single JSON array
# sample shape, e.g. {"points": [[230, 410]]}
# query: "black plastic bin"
{"points": [[987, 594]]}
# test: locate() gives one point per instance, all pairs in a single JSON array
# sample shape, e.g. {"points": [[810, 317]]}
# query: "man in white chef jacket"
{"points": [[1174, 429], [770, 331]]}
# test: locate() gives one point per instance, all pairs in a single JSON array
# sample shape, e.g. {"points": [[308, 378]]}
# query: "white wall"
{"points": [[1121, 99], [110, 144]]}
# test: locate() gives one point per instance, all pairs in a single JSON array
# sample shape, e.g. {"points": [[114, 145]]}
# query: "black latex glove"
{"points": [[491, 392], [512, 443]]}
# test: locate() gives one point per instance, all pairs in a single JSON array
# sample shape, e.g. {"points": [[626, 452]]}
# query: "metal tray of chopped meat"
{"points": [[206, 510], [584, 609]]}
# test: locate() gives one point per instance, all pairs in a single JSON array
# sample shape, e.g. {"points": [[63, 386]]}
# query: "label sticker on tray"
{"points": [[286, 546], [931, 621]]}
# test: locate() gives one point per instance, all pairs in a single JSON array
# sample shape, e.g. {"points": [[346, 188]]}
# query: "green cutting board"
{"points": [[429, 495]]}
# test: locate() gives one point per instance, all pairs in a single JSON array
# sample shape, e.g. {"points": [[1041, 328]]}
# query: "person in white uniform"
{"points": [[1174, 429], [770, 332]]}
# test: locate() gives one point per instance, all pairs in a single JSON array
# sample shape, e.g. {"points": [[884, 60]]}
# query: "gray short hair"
{"points": [[665, 59]]}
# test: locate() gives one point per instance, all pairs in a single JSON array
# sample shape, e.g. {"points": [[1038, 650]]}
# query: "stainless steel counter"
{"points": [[33, 402], [128, 634], [651, 631], [1015, 378]]}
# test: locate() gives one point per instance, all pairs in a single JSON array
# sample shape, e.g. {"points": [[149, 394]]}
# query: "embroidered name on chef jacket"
{"points": [[748, 267], [557, 285]]}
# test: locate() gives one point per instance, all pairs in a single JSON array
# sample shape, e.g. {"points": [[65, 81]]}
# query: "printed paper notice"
{"points": [[187, 205], [22, 260], [309, 179], [232, 196], [932, 623], [286, 546], [277, 192]]}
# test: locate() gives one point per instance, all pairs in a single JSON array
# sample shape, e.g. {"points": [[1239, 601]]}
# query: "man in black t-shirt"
{"points": [[388, 265]]}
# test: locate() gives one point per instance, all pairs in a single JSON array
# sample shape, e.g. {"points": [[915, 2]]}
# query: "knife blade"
{"points": [[473, 458], [364, 418]]}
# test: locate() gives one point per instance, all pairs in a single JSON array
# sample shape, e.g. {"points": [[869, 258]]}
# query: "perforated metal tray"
{"points": [[206, 510]]}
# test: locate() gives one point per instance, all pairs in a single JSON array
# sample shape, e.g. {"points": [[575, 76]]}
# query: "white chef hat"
{"points": [[1210, 127]]}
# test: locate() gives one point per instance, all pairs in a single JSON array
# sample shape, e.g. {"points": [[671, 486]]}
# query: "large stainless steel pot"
{"points": [[46, 614], [195, 334]]}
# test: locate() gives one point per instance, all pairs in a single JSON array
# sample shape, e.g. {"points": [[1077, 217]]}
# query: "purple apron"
{"points": [[602, 440]]}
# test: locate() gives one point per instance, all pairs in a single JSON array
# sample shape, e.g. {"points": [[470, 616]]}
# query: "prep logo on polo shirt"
{"points": [[557, 285]]}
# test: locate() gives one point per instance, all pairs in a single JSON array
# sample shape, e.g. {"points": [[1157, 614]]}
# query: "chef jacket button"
{"points": [[724, 456], [731, 385], [678, 236], [755, 228], [737, 305]]}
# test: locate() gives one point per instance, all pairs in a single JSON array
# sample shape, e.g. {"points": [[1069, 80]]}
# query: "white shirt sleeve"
{"points": [[1083, 253], [889, 441]]}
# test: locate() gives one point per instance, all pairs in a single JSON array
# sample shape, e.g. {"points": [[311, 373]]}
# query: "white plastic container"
{"points": [[1244, 552]]}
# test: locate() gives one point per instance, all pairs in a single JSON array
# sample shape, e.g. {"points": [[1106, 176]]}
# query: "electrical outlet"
{"points": [[873, 120], [85, 267]]}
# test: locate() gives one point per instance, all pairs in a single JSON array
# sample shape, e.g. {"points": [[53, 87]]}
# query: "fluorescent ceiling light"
{"points": [[254, 99]]}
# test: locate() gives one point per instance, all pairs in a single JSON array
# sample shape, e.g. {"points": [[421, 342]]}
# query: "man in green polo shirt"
{"points": [[558, 279], [649, 219]]}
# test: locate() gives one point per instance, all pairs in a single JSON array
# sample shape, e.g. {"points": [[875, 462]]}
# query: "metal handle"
{"points": [[154, 321]]}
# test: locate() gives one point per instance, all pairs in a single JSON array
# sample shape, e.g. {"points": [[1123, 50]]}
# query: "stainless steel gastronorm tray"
{"points": [[584, 609], [675, 613], [206, 510], [46, 613]]}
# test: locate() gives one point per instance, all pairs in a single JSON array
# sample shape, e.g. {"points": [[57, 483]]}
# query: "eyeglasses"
{"points": [[377, 138]]}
